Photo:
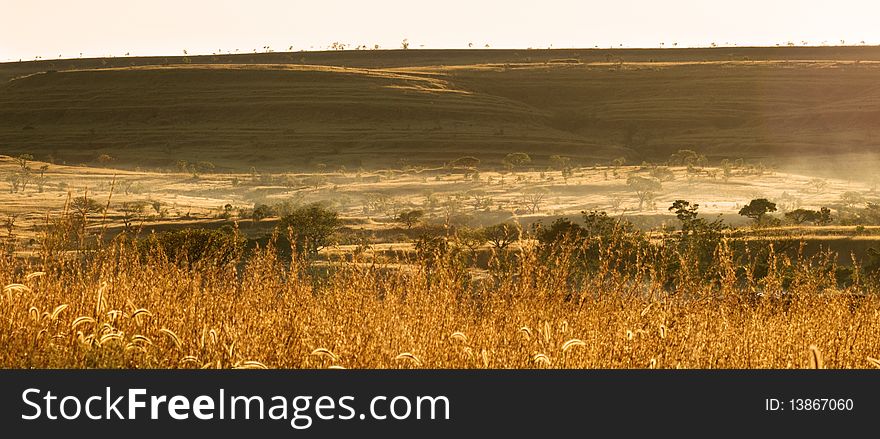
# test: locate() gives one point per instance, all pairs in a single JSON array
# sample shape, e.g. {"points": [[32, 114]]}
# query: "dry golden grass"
{"points": [[111, 309]]}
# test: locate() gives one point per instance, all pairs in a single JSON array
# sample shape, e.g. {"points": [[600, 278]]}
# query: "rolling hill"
{"points": [[383, 108]]}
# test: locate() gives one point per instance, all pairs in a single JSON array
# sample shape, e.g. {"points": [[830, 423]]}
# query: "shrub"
{"points": [[516, 159], [501, 235], [310, 227], [409, 218], [261, 212], [561, 230], [193, 246]]}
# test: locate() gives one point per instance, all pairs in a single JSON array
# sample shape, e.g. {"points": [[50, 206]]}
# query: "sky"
{"points": [[65, 28]]}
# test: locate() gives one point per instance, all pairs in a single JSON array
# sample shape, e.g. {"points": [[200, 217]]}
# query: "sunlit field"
{"points": [[606, 300], [442, 209]]}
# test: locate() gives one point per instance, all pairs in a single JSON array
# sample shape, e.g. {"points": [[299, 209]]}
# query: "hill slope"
{"points": [[274, 116]]}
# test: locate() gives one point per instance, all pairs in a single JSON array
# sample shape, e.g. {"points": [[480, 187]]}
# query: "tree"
{"points": [[19, 179], [852, 198], [516, 159], [202, 167], [788, 202], [726, 169], [645, 188], [376, 201], [130, 211], [42, 179], [688, 157], [757, 209], [704, 235], [157, 206], [501, 235], [290, 182], [662, 173], [825, 217], [226, 211], [465, 162], [599, 224], [195, 168], [470, 238], [261, 212], [684, 210], [81, 208], [561, 230], [22, 161], [84, 206], [801, 216], [431, 248], [105, 159], [615, 202], [311, 228], [182, 165], [817, 184], [16, 181], [9, 225], [410, 217], [561, 163], [479, 199], [533, 199], [315, 180]]}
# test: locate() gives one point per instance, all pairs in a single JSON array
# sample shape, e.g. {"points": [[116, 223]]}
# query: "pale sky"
{"points": [[32, 28]]}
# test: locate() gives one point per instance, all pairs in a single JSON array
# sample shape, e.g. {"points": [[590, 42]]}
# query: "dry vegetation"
{"points": [[87, 295], [149, 206], [116, 306], [168, 198]]}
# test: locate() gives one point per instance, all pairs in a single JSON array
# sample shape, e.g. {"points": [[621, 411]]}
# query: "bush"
{"points": [[261, 212], [561, 230], [501, 235], [409, 218], [193, 246], [310, 227]]}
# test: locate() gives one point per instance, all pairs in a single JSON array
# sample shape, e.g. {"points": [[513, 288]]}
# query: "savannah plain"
{"points": [[692, 208]]}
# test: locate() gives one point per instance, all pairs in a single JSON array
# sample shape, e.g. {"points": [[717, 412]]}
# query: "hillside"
{"points": [[376, 109]]}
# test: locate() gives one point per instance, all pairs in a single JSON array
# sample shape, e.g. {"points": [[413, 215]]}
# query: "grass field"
{"points": [[145, 205], [116, 312]]}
